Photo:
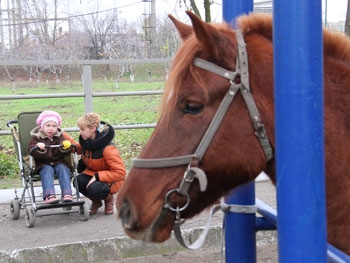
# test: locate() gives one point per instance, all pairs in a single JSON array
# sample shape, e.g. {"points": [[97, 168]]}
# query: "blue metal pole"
{"points": [[233, 8], [239, 228], [298, 81]]}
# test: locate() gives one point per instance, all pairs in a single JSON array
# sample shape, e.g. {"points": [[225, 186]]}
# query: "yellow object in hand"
{"points": [[65, 145]]}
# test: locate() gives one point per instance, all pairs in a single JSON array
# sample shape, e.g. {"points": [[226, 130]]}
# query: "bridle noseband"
{"points": [[192, 160]]}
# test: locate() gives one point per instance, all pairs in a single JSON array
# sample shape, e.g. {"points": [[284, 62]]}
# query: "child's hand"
{"points": [[65, 145], [41, 145]]}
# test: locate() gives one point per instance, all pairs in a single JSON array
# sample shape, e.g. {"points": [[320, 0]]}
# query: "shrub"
{"points": [[8, 164]]}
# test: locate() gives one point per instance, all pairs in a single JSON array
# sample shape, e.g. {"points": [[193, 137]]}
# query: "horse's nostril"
{"points": [[125, 214]]}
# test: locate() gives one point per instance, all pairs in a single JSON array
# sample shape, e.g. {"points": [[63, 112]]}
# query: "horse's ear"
{"points": [[184, 30], [205, 33]]}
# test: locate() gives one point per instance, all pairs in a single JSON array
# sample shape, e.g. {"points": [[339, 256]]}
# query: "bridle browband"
{"points": [[192, 160]]}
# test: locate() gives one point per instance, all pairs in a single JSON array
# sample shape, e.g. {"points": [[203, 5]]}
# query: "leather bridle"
{"points": [[192, 160]]}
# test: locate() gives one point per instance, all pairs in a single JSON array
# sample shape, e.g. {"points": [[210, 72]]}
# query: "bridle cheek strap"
{"points": [[243, 72], [242, 64]]}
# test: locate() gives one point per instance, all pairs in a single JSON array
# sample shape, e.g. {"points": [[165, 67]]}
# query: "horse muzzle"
{"points": [[159, 230]]}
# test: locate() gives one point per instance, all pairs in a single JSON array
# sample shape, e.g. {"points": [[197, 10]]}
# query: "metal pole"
{"points": [[87, 83], [298, 81], [239, 228], [325, 14], [233, 8]]}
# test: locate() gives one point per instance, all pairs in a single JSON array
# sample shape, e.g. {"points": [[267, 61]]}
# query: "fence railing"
{"points": [[88, 93]]}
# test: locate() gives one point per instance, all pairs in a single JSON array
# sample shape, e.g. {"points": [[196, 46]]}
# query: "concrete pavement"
{"points": [[64, 238]]}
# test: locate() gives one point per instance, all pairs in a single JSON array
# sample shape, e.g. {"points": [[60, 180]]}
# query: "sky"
{"points": [[131, 9]]}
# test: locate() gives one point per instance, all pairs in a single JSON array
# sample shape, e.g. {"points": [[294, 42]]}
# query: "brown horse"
{"points": [[234, 155]]}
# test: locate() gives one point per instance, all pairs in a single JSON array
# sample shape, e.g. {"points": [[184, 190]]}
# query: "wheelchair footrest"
{"points": [[61, 204]]}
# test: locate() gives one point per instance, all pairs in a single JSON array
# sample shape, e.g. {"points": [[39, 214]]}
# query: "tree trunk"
{"points": [[206, 5], [195, 8], [347, 21], [207, 11]]}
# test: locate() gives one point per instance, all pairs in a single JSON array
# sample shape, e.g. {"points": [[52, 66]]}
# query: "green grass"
{"points": [[114, 110]]}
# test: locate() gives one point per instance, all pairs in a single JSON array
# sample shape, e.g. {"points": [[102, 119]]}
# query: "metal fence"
{"points": [[88, 93]]}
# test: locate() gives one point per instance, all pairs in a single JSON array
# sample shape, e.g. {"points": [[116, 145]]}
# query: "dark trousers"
{"points": [[96, 191]]}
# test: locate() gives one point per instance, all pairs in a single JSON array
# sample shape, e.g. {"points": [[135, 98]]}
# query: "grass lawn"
{"points": [[114, 110]]}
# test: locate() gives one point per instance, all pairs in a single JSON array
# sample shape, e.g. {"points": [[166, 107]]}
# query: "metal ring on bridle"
{"points": [[176, 209]]}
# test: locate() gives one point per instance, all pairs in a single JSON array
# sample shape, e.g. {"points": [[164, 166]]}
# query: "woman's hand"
{"points": [[93, 179]]}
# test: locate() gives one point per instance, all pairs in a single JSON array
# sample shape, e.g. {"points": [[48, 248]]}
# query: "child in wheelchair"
{"points": [[49, 145]]}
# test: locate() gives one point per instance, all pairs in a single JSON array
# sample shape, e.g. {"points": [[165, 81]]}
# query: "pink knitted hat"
{"points": [[46, 116]]}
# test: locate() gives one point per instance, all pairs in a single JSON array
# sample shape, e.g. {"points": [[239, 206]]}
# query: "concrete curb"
{"points": [[113, 249]]}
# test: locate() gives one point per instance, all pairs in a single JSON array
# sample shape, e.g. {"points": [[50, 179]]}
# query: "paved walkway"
{"points": [[64, 238]]}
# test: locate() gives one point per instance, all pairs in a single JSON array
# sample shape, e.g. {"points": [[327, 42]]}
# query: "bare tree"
{"points": [[120, 73], [11, 73], [34, 71], [166, 42], [99, 28], [44, 22], [194, 8]]}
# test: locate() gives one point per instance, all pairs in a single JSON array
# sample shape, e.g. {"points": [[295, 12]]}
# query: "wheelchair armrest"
{"points": [[72, 159], [75, 160]]}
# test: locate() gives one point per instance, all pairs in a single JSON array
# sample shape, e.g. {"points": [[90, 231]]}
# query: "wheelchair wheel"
{"points": [[84, 212], [30, 216], [15, 209]]}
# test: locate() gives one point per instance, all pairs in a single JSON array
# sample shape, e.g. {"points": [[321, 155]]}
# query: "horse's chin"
{"points": [[158, 232]]}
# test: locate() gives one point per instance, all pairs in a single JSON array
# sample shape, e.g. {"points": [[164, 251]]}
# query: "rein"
{"points": [[192, 160]]}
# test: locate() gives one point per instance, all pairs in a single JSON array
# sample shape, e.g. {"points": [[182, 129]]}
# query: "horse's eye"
{"points": [[193, 108]]}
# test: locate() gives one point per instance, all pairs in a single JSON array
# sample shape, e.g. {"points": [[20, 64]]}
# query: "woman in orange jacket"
{"points": [[103, 170]]}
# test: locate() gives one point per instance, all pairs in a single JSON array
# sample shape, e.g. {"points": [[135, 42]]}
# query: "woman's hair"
{"points": [[89, 120]]}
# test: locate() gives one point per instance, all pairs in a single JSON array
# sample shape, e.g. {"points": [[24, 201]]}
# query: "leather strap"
{"points": [[247, 209], [242, 64]]}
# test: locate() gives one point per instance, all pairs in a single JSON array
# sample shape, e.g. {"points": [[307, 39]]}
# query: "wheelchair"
{"points": [[30, 199]]}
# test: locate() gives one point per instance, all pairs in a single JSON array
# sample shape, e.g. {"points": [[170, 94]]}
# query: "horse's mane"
{"points": [[256, 23], [183, 60], [336, 46]]}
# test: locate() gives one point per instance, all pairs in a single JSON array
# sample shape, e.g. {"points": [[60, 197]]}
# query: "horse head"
{"points": [[192, 97]]}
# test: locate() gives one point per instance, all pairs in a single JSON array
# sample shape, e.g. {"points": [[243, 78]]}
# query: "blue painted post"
{"points": [[240, 233], [239, 228], [233, 8], [298, 73]]}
